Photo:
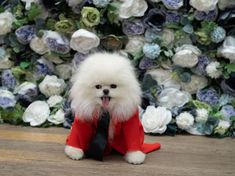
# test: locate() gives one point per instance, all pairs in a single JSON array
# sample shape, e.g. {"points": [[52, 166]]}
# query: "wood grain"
{"points": [[38, 152]]}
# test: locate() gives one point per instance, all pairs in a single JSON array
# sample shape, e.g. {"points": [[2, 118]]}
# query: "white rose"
{"points": [[134, 44], [51, 85], [38, 45], [203, 5], [168, 37], [83, 41], [225, 3], [57, 118], [6, 20], [36, 113], [186, 56], [222, 127], [212, 70], [184, 120], [227, 50], [29, 2], [170, 97], [155, 120], [54, 100], [64, 71], [202, 115], [132, 8], [7, 99]]}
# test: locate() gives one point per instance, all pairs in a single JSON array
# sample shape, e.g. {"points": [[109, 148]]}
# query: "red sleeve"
{"points": [[80, 134], [133, 133]]}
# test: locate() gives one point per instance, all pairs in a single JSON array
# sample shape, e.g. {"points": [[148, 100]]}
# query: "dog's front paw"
{"points": [[135, 157], [74, 153]]}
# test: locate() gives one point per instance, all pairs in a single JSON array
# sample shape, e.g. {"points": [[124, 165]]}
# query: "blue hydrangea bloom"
{"points": [[7, 99], [151, 35], [227, 111], [8, 79], [188, 29], [146, 63], [225, 99], [151, 50], [173, 4], [200, 68], [25, 34], [209, 96], [218, 34], [101, 3]]}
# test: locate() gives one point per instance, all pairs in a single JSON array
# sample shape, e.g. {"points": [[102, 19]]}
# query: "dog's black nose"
{"points": [[106, 91]]}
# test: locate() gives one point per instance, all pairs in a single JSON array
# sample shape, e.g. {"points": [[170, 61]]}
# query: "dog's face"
{"points": [[105, 81]]}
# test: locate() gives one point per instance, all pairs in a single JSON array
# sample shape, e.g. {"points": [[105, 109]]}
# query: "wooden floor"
{"points": [[26, 151]]}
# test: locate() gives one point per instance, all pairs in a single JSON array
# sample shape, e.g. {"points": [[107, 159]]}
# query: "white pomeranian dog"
{"points": [[105, 81]]}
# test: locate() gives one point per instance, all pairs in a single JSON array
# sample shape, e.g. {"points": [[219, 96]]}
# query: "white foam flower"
{"points": [[54, 100], [83, 41], [184, 120], [6, 20], [222, 127], [186, 56], [51, 85], [155, 120], [213, 71], [202, 115], [36, 113], [132, 8], [29, 2], [170, 97], [203, 5], [57, 118], [227, 50], [38, 45]]}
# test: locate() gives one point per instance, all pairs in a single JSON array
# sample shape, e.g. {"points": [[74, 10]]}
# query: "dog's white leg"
{"points": [[135, 157], [74, 153]]}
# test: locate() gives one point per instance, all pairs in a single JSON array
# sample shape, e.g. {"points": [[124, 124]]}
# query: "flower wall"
{"points": [[183, 51]]}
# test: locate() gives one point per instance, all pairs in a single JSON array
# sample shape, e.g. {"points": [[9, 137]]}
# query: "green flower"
{"points": [[90, 16], [64, 26]]}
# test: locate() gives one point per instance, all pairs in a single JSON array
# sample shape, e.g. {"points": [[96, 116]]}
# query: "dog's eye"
{"points": [[98, 86], [113, 86]]}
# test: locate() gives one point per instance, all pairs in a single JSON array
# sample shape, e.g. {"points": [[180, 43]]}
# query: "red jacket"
{"points": [[128, 136]]}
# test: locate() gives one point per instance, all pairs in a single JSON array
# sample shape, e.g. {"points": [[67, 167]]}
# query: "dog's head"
{"points": [[105, 81]]}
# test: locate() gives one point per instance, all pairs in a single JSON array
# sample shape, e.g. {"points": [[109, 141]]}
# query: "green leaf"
{"points": [[34, 11], [2, 9], [148, 82], [24, 65], [113, 12], [230, 68]]}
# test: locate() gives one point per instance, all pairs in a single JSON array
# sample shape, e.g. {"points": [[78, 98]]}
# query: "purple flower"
{"points": [[25, 34], [173, 4], [42, 69], [146, 63], [78, 58], [227, 111], [7, 99], [200, 68], [172, 17], [209, 96], [8, 79], [133, 27], [155, 19], [210, 16], [54, 45]]}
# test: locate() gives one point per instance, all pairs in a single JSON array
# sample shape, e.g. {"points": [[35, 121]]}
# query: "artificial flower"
{"points": [[151, 50], [184, 120], [202, 115], [200, 68], [51, 85], [146, 63], [29, 2], [227, 111], [227, 50], [8, 80], [36, 113], [7, 99], [6, 20], [101, 3], [111, 43], [73, 3], [90, 16], [133, 27], [209, 96], [168, 37], [223, 4], [218, 34], [38, 45], [228, 85], [222, 127], [77, 59], [203, 5], [43, 67], [83, 41], [25, 34], [135, 44], [65, 26], [212, 70], [170, 97], [155, 120], [64, 71], [132, 8], [186, 56], [57, 118], [209, 16], [155, 19], [173, 4], [54, 100]]}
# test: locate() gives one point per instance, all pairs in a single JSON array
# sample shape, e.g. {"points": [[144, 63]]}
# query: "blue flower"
{"points": [[7, 99], [172, 17], [151, 35], [173, 4], [78, 58], [227, 111], [200, 68], [151, 51], [8, 79], [146, 63], [25, 34], [218, 34], [57, 47], [101, 3], [209, 96], [210, 16], [188, 28], [133, 27], [225, 99]]}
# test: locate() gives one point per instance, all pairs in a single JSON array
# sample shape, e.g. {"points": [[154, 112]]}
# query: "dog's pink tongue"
{"points": [[105, 101]]}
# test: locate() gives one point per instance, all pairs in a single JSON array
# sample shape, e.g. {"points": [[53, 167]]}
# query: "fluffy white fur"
{"points": [[105, 69]]}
